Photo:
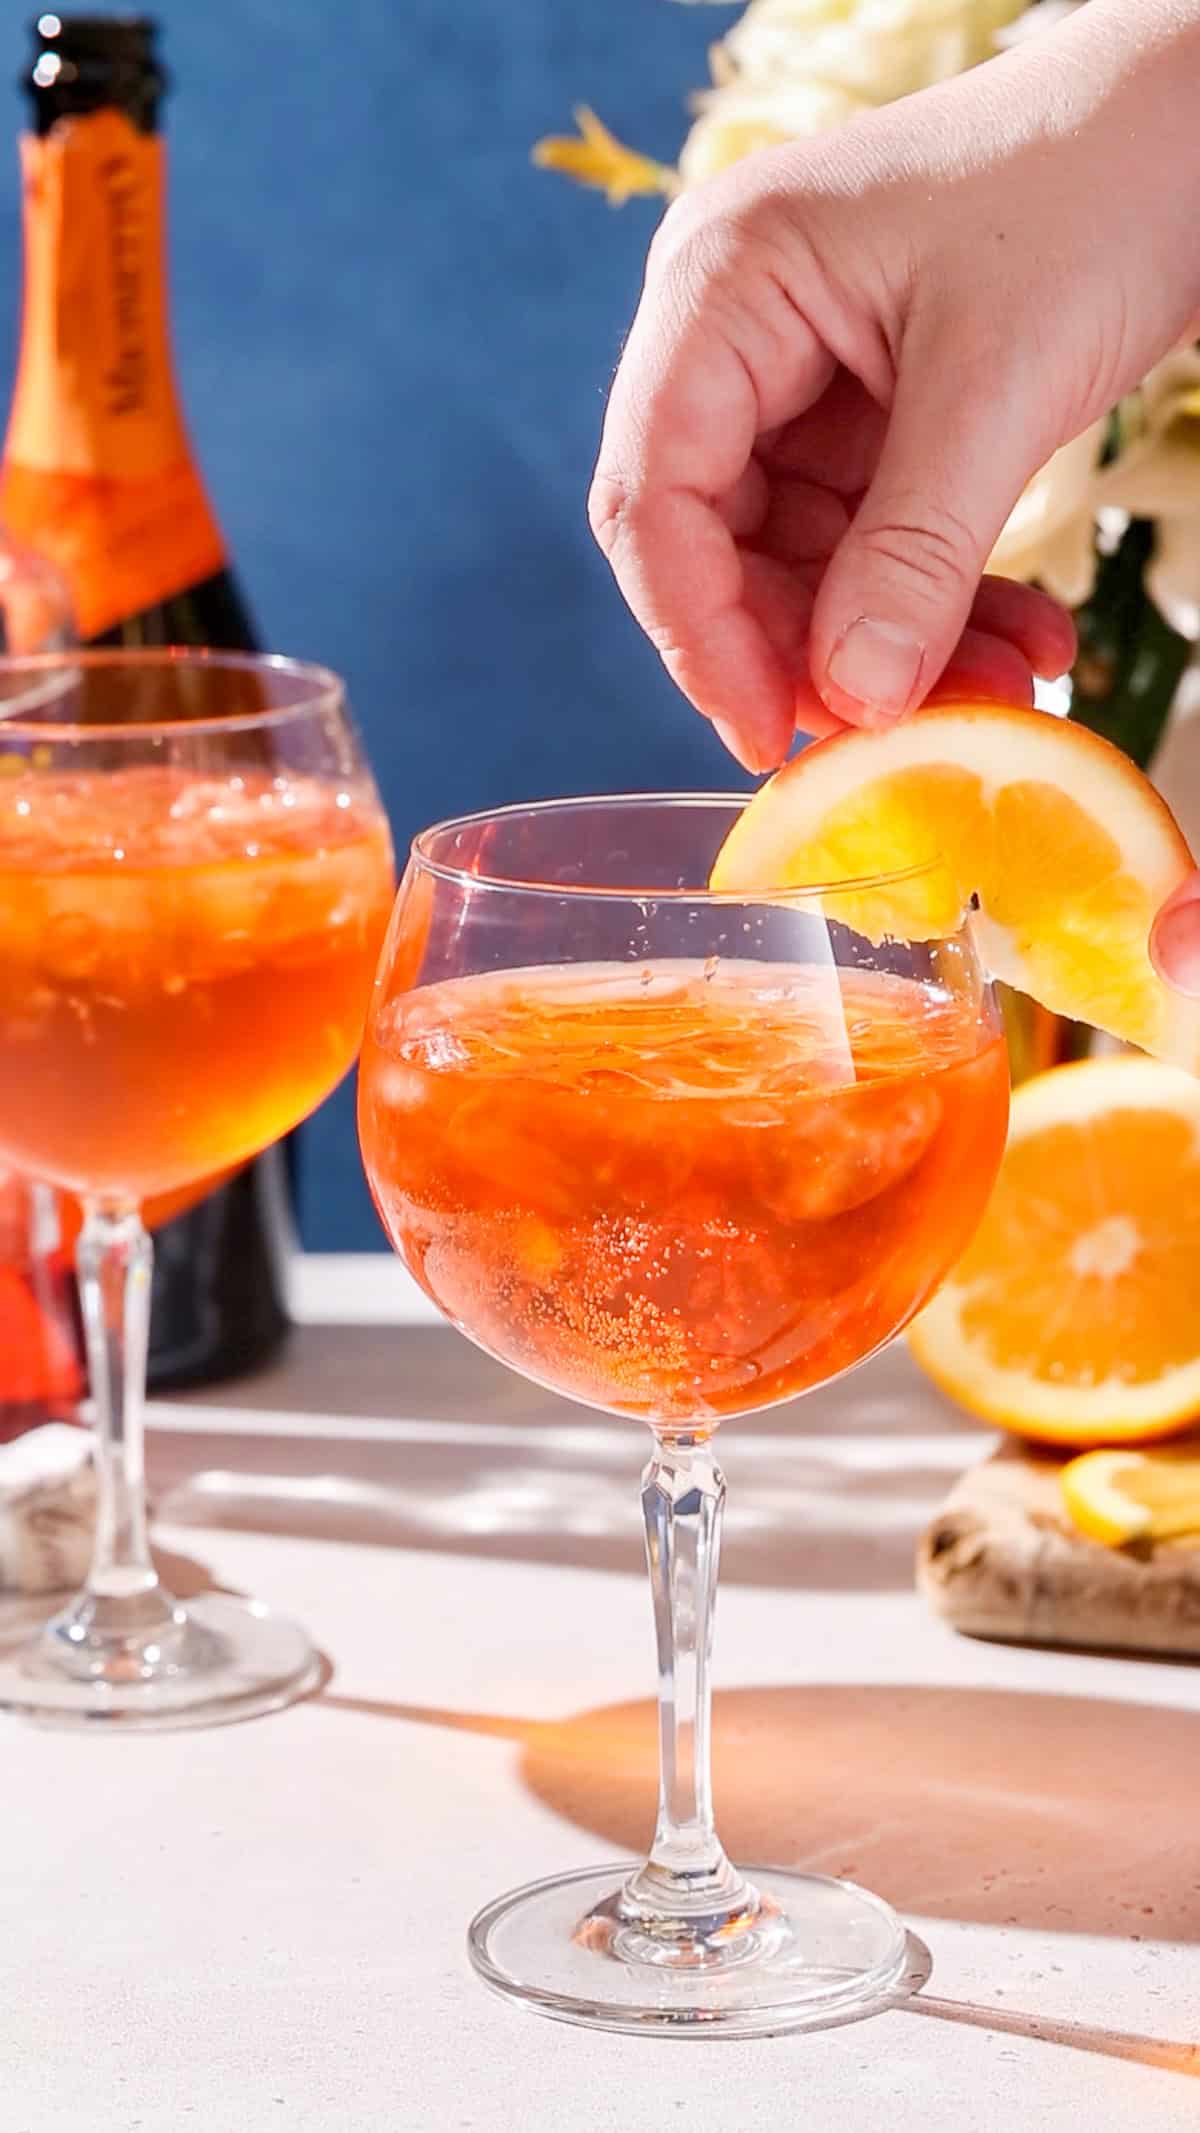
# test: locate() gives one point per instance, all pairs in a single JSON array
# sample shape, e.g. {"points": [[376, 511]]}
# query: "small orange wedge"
{"points": [[1068, 848], [1119, 1497], [1074, 1316]]}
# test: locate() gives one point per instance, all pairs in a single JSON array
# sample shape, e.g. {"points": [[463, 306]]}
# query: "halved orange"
{"points": [[1074, 1316], [1067, 846]]}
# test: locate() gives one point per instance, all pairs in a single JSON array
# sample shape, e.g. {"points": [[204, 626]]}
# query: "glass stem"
{"points": [[687, 1885], [113, 1258]]}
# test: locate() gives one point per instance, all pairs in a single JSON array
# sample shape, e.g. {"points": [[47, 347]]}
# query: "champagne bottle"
{"points": [[98, 475]]}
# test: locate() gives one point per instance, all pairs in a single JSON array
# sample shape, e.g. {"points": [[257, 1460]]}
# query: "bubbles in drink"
{"points": [[185, 960], [679, 1189]]}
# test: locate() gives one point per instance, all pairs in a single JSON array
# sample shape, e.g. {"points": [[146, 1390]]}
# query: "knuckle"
{"points": [[715, 231], [617, 514], [665, 641], [607, 508], [678, 217], [930, 545], [676, 236]]}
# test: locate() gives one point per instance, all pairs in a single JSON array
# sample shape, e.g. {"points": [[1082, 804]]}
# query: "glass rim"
{"points": [[323, 691], [468, 877]]}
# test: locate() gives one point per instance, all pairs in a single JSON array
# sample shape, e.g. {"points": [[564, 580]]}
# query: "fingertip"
{"points": [[739, 748], [1062, 648], [1039, 627], [1175, 940], [987, 668], [757, 753]]}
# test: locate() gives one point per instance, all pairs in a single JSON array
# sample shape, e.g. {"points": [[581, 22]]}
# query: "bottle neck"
{"points": [[95, 390], [97, 472]]}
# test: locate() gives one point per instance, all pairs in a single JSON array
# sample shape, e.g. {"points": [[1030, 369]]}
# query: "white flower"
{"points": [[793, 68], [736, 121], [1045, 15], [1051, 532], [1155, 475], [876, 50]]}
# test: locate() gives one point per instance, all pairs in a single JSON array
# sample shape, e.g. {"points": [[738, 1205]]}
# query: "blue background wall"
{"points": [[394, 337]]}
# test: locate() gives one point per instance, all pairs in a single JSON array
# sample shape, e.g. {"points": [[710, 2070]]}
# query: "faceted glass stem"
{"points": [[687, 1896], [124, 1651], [687, 1943], [115, 1258], [123, 1627]]}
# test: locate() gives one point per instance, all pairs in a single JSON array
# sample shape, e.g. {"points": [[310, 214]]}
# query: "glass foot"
{"points": [[818, 1949], [215, 1660]]}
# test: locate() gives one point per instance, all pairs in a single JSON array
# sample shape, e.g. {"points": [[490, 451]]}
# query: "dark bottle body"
{"points": [[98, 475]]}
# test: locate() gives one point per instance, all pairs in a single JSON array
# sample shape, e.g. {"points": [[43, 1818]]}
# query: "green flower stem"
{"points": [[1130, 661]]}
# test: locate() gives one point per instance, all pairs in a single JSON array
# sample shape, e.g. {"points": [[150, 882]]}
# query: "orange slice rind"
{"points": [[1119, 1497]]}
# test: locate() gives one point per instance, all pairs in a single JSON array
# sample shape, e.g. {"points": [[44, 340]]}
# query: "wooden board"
{"points": [[1001, 1559]]}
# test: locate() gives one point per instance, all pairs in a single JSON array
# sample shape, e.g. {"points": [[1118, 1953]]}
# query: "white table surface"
{"points": [[261, 1927]]}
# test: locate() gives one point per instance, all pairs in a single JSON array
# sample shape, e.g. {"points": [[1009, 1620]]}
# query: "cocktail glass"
{"points": [[195, 875], [680, 1156]]}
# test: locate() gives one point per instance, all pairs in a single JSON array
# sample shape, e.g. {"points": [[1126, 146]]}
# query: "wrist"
{"points": [[1115, 86]]}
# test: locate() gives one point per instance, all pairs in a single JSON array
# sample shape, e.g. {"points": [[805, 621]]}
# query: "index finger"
{"points": [[711, 363]]}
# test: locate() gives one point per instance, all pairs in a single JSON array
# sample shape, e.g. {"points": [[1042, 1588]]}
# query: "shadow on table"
{"points": [[478, 1462], [1058, 1814], [560, 1495], [433, 1373], [22, 1614], [1065, 1814]]}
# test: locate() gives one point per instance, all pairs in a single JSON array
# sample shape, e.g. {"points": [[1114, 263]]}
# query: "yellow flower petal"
{"points": [[596, 157]]}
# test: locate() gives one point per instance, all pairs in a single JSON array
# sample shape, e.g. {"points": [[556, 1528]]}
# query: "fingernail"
{"points": [[1176, 947], [754, 759], [878, 665]]}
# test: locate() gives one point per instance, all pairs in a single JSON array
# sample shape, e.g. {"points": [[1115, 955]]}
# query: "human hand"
{"points": [[852, 353]]}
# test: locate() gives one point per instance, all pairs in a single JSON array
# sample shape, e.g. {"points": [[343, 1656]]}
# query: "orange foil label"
{"points": [[98, 473]]}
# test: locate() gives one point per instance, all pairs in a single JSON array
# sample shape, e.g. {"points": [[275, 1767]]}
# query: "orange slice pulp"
{"points": [[1072, 1316], [1067, 847]]}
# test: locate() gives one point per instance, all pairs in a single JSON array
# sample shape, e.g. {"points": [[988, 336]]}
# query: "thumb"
{"points": [[897, 593], [1175, 944]]}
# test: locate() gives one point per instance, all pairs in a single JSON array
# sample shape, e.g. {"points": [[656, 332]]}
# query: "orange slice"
{"points": [[1118, 1497], [1067, 846], [1072, 1318]]}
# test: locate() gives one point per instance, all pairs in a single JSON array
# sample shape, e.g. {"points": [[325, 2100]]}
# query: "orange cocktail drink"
{"points": [[184, 967], [675, 1195]]}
